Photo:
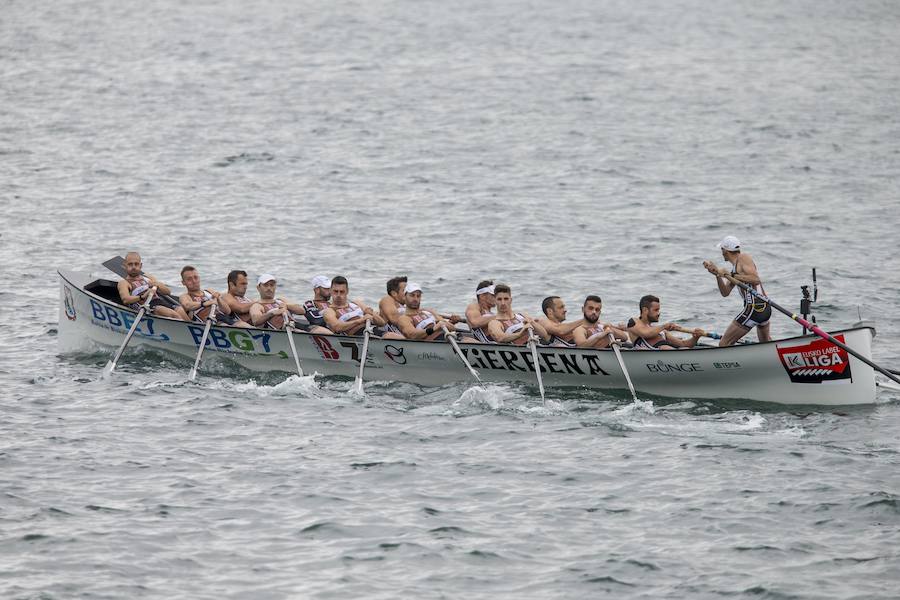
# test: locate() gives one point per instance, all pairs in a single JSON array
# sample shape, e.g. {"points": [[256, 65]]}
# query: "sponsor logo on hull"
{"points": [[819, 361], [70, 304]]}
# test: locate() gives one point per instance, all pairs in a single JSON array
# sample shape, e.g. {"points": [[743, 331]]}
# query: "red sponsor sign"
{"points": [[325, 348], [815, 362]]}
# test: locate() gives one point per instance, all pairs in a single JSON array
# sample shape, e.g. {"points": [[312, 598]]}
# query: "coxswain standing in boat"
{"points": [[134, 289], [511, 327], [198, 303], [236, 298], [554, 309], [647, 336], [314, 309], [417, 323], [595, 333], [271, 312], [480, 313], [393, 304], [756, 313], [349, 318]]}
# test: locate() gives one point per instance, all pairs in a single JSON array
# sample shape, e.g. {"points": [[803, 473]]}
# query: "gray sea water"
{"points": [[566, 147]]}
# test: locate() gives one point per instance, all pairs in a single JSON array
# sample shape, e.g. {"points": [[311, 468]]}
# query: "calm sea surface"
{"points": [[566, 147]]}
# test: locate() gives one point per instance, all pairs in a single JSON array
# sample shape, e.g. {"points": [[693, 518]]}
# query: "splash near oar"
{"points": [[812, 327]]}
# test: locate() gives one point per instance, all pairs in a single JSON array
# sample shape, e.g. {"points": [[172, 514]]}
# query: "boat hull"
{"points": [[804, 370]]}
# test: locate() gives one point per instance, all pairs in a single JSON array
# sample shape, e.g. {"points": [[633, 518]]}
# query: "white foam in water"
{"points": [[292, 386], [491, 397]]}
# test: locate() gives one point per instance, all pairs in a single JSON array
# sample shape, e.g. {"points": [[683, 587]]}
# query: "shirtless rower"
{"points": [[595, 333], [511, 327], [756, 312], [554, 309], [417, 323], [349, 318], [134, 289], [236, 298], [480, 313], [271, 312], [647, 336], [393, 304], [198, 303], [314, 309]]}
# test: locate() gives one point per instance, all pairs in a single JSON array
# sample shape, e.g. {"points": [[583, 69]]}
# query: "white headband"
{"points": [[485, 290]]}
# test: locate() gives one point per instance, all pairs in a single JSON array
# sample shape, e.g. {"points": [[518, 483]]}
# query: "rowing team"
{"points": [[400, 314]]}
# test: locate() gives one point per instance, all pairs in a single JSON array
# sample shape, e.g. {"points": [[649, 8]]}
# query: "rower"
{"points": [[393, 304], [271, 312], [349, 318], [756, 312], [554, 309], [647, 336], [315, 308], [134, 289], [595, 333], [480, 313], [417, 323], [235, 297], [198, 303], [511, 327]]}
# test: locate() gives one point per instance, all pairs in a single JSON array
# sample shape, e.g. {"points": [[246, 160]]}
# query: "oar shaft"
{"points": [[289, 330], [709, 334], [532, 341], [460, 354], [111, 365], [362, 358], [812, 327], [206, 329], [615, 346]]}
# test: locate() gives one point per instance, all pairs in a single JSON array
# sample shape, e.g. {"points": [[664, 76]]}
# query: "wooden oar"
{"points": [[532, 341], [289, 329], [615, 346], [209, 322], [111, 365], [362, 359], [811, 326], [452, 339]]}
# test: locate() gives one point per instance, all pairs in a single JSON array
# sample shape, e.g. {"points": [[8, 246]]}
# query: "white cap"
{"points": [[729, 243], [485, 290], [320, 281], [413, 287], [265, 278]]}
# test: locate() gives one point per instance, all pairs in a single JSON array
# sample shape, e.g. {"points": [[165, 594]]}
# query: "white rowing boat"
{"points": [[798, 370]]}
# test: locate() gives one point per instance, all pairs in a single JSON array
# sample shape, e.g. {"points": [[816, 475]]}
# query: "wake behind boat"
{"points": [[802, 370]]}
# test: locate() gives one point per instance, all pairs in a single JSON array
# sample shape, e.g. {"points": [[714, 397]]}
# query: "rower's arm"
{"points": [[258, 316], [541, 331], [409, 330], [125, 293], [338, 326], [188, 303], [475, 319], [561, 329], [161, 288], [579, 336], [224, 308], [297, 309], [682, 343], [639, 329], [388, 310], [237, 308]]}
